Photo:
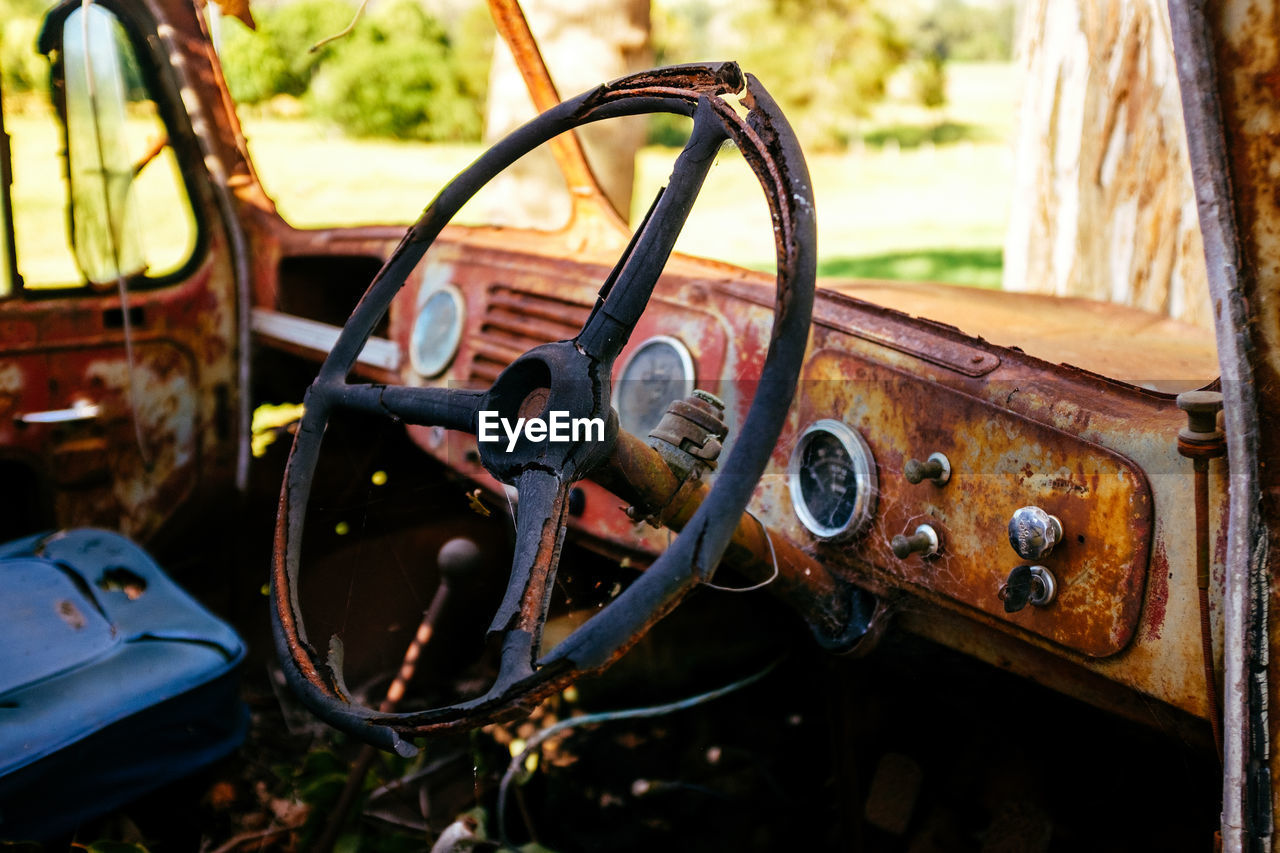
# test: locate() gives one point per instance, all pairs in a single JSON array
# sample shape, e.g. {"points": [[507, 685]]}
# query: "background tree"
{"points": [[399, 73], [827, 60], [1103, 204], [584, 43], [22, 69]]}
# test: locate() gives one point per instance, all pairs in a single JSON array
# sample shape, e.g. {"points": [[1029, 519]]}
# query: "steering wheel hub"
{"points": [[550, 386]]}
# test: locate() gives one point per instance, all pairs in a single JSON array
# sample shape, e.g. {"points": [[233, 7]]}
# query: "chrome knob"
{"points": [[923, 542], [1033, 532], [936, 469]]}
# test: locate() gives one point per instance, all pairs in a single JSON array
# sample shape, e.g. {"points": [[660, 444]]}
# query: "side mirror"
{"points": [[104, 227]]}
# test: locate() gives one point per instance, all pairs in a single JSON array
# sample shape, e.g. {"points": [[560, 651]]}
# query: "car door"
{"points": [[118, 355]]}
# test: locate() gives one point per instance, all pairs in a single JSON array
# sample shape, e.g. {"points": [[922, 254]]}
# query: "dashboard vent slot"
{"points": [[516, 321]]}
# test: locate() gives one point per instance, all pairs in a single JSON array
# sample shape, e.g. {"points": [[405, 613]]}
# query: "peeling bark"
{"points": [[1103, 202]]}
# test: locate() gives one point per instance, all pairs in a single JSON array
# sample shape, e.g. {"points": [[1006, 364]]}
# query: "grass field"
{"points": [[924, 195]]}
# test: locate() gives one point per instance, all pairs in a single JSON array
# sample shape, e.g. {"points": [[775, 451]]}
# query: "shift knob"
{"points": [[1033, 532], [458, 558]]}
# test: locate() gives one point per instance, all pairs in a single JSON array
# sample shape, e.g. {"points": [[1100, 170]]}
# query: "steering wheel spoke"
{"points": [[540, 517], [451, 408], [626, 291]]}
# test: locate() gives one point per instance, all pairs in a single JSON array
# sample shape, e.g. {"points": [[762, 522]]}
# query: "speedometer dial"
{"points": [[833, 480], [658, 372]]}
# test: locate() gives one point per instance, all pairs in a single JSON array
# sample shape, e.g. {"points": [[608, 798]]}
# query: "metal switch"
{"points": [[923, 542], [936, 469], [1033, 532]]}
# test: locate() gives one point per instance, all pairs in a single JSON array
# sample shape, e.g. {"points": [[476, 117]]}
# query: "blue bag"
{"points": [[113, 681]]}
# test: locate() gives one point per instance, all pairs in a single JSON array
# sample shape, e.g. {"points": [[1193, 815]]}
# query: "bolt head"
{"points": [[1200, 401], [1202, 409]]}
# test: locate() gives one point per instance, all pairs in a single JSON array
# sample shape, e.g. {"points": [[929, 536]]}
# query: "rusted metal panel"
{"points": [[1162, 654], [98, 472], [180, 385], [875, 324], [999, 462]]}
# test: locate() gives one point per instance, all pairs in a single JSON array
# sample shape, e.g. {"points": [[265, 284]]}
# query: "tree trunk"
{"points": [[1103, 202], [584, 43]]}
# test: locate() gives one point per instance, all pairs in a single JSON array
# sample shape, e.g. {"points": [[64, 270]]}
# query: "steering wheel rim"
{"points": [[573, 369]]}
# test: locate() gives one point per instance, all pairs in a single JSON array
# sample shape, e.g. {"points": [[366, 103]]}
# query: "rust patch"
{"points": [[1102, 500], [69, 613], [1157, 592]]}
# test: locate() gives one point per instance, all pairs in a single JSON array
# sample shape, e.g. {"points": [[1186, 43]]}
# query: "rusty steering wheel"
{"points": [[572, 376]]}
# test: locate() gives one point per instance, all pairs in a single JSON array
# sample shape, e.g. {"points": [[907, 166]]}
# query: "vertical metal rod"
{"points": [[364, 761], [1201, 466], [1194, 34]]}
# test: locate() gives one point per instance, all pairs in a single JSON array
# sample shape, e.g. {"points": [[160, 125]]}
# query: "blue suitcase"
{"points": [[113, 681]]}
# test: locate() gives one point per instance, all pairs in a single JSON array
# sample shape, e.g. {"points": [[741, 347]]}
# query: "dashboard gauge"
{"points": [[833, 480], [437, 331], [659, 371]]}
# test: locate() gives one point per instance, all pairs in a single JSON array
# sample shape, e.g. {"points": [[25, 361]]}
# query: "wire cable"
{"points": [[537, 739], [772, 554]]}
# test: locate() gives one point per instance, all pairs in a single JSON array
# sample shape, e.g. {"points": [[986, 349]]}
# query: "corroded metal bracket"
{"points": [[691, 434]]}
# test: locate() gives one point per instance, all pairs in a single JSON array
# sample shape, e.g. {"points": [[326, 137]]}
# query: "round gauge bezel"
{"points": [[864, 472], [453, 341], [686, 364]]}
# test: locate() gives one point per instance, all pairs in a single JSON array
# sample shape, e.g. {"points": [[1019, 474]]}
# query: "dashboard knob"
{"points": [[1033, 532], [937, 469], [923, 542]]}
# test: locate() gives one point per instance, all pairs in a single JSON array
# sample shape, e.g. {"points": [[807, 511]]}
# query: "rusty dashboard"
{"points": [[1016, 431]]}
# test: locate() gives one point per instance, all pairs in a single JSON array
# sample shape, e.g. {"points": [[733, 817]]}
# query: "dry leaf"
{"points": [[238, 9]]}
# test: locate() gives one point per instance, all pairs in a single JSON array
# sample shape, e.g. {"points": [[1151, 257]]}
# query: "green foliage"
{"points": [[929, 79], [964, 32], [973, 267], [682, 32], [395, 78], [22, 69], [679, 34], [826, 61], [277, 58], [398, 73], [472, 49], [667, 130], [914, 135]]}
